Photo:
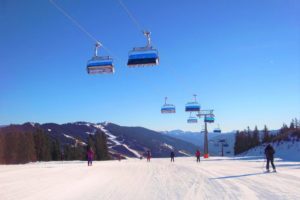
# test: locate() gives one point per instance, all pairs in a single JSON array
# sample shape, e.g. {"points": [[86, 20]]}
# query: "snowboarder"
{"points": [[148, 156], [172, 156], [269, 153], [90, 156], [198, 154]]}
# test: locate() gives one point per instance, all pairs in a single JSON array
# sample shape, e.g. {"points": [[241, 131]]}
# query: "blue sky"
{"points": [[242, 58]]}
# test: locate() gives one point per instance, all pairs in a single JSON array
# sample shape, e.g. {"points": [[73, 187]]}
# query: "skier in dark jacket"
{"points": [[172, 156], [148, 156], [269, 152]]}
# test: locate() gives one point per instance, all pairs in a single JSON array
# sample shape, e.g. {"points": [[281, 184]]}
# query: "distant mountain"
{"points": [[127, 141], [142, 139], [195, 138]]}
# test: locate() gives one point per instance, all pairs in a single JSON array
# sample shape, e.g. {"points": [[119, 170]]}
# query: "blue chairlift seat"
{"points": [[209, 119], [192, 107], [143, 56], [192, 120], [168, 108], [100, 65], [217, 130]]}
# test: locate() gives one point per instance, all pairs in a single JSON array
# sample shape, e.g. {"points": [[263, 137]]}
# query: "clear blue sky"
{"points": [[242, 58]]}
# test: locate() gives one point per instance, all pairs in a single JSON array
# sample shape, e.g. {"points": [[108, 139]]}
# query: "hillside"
{"points": [[127, 141], [286, 145]]}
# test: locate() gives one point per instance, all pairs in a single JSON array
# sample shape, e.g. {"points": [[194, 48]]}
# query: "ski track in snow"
{"points": [[114, 139], [213, 178]]}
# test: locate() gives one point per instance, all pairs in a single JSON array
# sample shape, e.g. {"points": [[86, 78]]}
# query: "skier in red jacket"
{"points": [[198, 154]]}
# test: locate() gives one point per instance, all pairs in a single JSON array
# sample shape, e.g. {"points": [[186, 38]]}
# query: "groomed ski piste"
{"points": [[113, 139], [213, 178]]}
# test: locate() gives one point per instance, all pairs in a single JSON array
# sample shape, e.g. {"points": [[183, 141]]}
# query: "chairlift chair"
{"points": [[143, 56], [192, 106], [217, 130], [100, 64], [192, 120], [168, 108], [209, 118]]}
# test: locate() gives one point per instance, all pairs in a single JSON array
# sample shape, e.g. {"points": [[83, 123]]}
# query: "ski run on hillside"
{"points": [[213, 178]]}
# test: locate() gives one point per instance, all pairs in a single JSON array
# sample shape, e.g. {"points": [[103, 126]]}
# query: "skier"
{"points": [[172, 156], [148, 156], [90, 156], [269, 152], [198, 154]]}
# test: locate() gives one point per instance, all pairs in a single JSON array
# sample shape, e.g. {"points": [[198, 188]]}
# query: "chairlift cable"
{"points": [[75, 22], [130, 15]]}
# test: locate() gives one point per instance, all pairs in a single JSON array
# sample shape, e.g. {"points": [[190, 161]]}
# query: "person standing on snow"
{"points": [[198, 154], [90, 156], [148, 156], [172, 156], [269, 152]]}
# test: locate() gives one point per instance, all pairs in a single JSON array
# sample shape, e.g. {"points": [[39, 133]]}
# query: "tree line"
{"points": [[247, 139], [23, 146]]}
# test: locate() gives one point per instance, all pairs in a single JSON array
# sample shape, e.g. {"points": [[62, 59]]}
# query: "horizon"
{"points": [[160, 131], [243, 62]]}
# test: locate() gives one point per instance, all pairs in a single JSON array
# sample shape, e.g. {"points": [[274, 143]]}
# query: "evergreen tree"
{"points": [[292, 125], [42, 146], [266, 135], [1, 148], [55, 150], [255, 137]]}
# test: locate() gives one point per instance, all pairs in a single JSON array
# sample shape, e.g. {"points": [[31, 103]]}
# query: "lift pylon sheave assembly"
{"points": [[143, 56], [207, 114], [100, 64], [168, 108]]}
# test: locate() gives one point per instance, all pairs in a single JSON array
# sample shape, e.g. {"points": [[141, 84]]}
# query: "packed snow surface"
{"points": [[213, 178]]}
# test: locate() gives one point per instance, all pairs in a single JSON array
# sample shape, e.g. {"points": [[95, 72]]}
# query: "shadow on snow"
{"points": [[238, 176]]}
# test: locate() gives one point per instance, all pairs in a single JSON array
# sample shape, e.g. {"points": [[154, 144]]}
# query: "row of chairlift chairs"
{"points": [[190, 107], [138, 57]]}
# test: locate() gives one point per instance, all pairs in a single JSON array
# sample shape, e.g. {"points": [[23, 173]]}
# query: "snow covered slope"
{"points": [[286, 150], [215, 178]]}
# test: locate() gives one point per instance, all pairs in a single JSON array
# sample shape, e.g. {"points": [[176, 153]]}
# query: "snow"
{"points": [[214, 178], [184, 153], [168, 146], [68, 136], [132, 151]]}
